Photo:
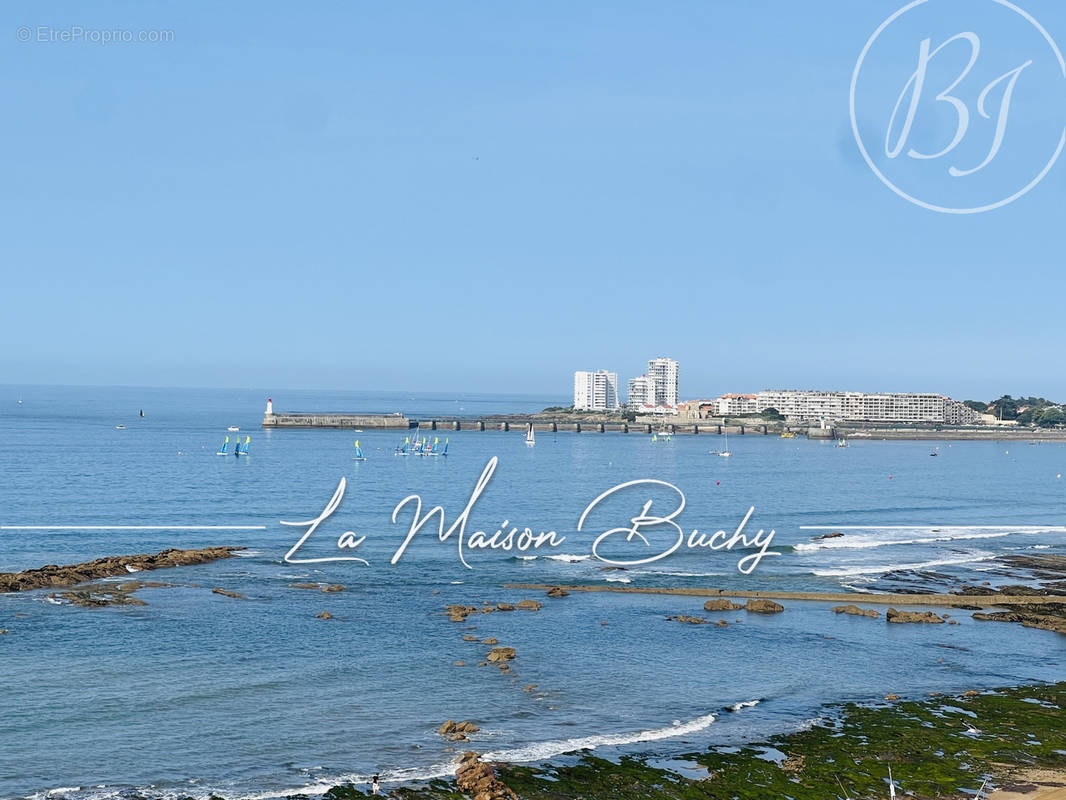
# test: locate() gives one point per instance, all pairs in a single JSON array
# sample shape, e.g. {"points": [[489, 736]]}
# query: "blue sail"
{"points": [[359, 452], [242, 449], [222, 450]]}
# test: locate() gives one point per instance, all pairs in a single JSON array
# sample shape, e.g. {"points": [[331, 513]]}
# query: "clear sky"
{"points": [[465, 196]]}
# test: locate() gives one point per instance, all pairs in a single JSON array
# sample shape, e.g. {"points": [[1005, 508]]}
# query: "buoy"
{"points": [[890, 477], [717, 483]]}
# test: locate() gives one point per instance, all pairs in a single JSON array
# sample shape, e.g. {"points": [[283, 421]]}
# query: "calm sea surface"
{"points": [[196, 693]]}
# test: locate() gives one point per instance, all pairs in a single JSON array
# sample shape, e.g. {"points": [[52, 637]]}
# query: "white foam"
{"points": [[544, 750], [866, 542], [567, 557], [745, 704], [615, 578], [862, 569], [526, 558], [386, 776]]}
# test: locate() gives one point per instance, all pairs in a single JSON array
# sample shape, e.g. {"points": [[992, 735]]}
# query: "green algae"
{"points": [[936, 747]]}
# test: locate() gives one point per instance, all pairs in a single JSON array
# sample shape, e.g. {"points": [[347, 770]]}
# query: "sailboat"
{"points": [[724, 453], [435, 449], [842, 442], [224, 449], [358, 452], [242, 449], [401, 449], [531, 438]]}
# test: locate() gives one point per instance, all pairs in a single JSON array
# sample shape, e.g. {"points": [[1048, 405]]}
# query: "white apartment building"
{"points": [[596, 391], [641, 392], [733, 404], [665, 372], [889, 407]]}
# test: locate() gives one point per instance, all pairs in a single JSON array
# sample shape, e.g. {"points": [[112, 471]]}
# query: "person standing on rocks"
{"points": [[374, 785]]}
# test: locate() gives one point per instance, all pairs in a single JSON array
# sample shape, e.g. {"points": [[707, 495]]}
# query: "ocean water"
{"points": [[196, 693]]}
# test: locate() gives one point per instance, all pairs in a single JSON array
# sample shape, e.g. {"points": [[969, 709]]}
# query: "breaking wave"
{"points": [[878, 569], [543, 750]]}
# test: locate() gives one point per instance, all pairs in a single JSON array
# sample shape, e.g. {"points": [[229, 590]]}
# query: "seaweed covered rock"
{"points": [[479, 779], [498, 654], [687, 619], [855, 611], [721, 604], [53, 576], [758, 605], [892, 615]]}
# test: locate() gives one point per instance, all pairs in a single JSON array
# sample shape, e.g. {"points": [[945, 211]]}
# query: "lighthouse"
{"points": [[270, 407]]}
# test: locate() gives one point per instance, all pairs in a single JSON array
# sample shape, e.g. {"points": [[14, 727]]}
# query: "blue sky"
{"points": [[486, 197]]}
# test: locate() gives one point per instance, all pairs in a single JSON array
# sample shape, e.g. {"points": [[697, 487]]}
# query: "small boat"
{"points": [[242, 449], [120, 427], [358, 452], [788, 435], [224, 449], [401, 449], [232, 428], [436, 449], [842, 442], [727, 453], [934, 454], [531, 438]]}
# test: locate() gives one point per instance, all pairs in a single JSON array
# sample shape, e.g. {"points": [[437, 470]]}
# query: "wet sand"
{"points": [[1039, 784]]}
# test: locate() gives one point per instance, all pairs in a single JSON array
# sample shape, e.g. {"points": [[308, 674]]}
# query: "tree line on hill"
{"points": [[1037, 411]]}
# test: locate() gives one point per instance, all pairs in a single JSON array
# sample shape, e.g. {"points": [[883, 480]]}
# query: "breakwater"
{"points": [[309, 420], [542, 424], [950, 600]]}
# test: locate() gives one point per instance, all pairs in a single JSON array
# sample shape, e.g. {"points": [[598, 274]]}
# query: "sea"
{"points": [[196, 693]]}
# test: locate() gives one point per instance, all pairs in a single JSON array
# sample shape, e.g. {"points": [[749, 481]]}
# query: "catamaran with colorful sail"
{"points": [[242, 447], [401, 449], [224, 449], [358, 452]]}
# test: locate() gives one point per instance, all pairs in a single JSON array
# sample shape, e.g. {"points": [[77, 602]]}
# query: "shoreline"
{"points": [[946, 600]]}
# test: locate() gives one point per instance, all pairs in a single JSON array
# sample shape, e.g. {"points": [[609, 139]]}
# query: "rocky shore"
{"points": [[1012, 737], [975, 599], [52, 576]]}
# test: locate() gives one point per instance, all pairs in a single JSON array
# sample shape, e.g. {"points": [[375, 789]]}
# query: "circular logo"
{"points": [[959, 106]]}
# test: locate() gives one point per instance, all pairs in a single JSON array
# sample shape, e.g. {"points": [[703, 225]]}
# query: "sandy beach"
{"points": [[1038, 784]]}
